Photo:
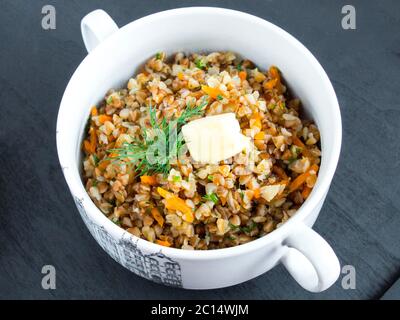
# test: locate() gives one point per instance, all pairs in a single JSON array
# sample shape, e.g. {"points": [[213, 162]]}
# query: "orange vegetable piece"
{"points": [[157, 216], [223, 200], [103, 164], [176, 203], [93, 111], [298, 182], [90, 145], [164, 193], [164, 243], [103, 118], [243, 75], [150, 180], [306, 192], [173, 202], [297, 142], [256, 193], [87, 147], [181, 76], [270, 84], [274, 73], [260, 136], [255, 121], [212, 92]]}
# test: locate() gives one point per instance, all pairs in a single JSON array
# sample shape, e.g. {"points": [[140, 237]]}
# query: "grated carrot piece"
{"points": [[87, 147], [103, 118], [212, 92], [157, 216], [164, 193], [223, 200], [243, 75], [270, 84], [306, 192], [274, 73], [93, 111], [176, 203], [257, 193], [90, 145], [297, 142], [260, 136], [181, 76], [298, 182], [255, 121], [164, 243], [150, 180], [173, 202], [103, 164], [189, 217]]}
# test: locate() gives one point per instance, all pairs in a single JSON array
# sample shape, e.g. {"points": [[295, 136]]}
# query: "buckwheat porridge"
{"points": [[200, 152]]}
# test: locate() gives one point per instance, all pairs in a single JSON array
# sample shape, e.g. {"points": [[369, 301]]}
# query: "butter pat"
{"points": [[215, 138]]}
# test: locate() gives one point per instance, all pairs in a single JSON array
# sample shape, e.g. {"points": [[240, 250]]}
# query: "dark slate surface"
{"points": [[39, 224]]}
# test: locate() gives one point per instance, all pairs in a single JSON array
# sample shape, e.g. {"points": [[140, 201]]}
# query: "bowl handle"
{"points": [[310, 260], [96, 27]]}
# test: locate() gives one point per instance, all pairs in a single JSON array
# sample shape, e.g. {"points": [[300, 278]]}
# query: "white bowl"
{"points": [[114, 56]]}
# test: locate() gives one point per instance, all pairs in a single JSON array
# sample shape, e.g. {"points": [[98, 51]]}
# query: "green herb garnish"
{"points": [[159, 146], [251, 227], [116, 221], [95, 159], [295, 150], [233, 227], [211, 197], [220, 97], [210, 177], [246, 229], [176, 178], [109, 99], [239, 67], [200, 63], [158, 55]]}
